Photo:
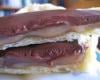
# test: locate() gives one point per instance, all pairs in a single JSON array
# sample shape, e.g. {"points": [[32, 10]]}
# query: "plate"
{"points": [[62, 76]]}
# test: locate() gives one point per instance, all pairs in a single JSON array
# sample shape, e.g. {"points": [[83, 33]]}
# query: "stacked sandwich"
{"points": [[49, 41]]}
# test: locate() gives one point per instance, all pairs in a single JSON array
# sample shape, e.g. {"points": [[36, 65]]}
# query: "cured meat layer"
{"points": [[22, 23], [47, 54], [46, 24]]}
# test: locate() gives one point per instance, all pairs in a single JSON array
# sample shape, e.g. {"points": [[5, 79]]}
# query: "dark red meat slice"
{"points": [[22, 23], [58, 53]]}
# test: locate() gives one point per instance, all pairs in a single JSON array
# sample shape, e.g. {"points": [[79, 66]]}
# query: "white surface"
{"points": [[52, 77], [71, 77]]}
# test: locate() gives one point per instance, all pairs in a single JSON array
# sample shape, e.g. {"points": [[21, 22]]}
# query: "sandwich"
{"points": [[49, 41]]}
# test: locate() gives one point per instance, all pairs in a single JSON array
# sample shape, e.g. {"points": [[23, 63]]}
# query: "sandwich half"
{"points": [[49, 41]]}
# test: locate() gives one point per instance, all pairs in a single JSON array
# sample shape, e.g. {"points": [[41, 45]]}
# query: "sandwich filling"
{"points": [[66, 49], [45, 49], [46, 54]]}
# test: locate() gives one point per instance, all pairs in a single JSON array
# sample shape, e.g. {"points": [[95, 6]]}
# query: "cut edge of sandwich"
{"points": [[87, 64]]}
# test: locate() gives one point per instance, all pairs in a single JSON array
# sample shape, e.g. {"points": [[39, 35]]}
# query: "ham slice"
{"points": [[47, 54], [46, 24]]}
